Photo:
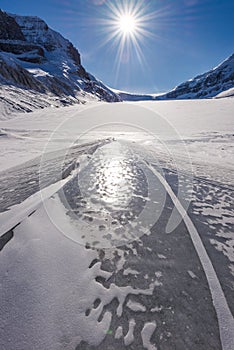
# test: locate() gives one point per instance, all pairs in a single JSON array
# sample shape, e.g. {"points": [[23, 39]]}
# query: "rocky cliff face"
{"points": [[9, 29], [209, 84], [37, 32], [35, 58]]}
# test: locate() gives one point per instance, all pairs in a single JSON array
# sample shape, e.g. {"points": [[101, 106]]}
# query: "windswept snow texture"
{"points": [[62, 295], [40, 68], [204, 127], [110, 174]]}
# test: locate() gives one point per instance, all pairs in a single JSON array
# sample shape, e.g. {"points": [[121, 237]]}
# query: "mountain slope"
{"points": [[218, 82], [209, 84], [39, 68]]}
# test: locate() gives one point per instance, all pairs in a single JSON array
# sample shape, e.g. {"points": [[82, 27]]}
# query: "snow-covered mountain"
{"points": [[218, 83], [210, 84], [134, 97], [39, 67]]}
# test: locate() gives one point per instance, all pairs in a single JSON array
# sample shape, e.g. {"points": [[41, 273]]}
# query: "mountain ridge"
{"points": [[40, 68], [206, 85], [35, 58], [215, 83]]}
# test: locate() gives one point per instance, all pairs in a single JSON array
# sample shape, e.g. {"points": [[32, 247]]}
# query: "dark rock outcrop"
{"points": [[9, 29], [74, 54], [20, 47], [14, 74]]}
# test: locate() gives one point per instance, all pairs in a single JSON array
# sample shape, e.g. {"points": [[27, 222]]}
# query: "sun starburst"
{"points": [[127, 26]]}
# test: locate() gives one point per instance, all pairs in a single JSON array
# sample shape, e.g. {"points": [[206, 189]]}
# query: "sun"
{"points": [[127, 24]]}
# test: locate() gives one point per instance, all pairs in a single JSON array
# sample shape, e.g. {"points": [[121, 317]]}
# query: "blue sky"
{"points": [[183, 38]]}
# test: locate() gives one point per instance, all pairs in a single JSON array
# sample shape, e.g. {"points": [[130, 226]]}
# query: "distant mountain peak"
{"points": [[217, 82], [206, 85]]}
